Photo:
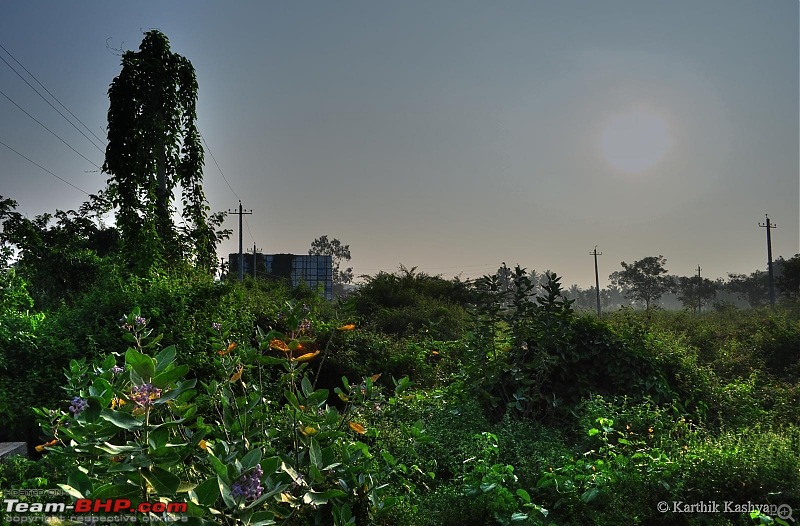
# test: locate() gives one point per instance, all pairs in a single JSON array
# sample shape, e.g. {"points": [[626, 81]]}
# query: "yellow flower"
{"points": [[117, 403], [238, 374], [223, 352], [278, 345], [203, 445], [348, 327], [309, 431], [649, 429], [358, 428], [306, 357]]}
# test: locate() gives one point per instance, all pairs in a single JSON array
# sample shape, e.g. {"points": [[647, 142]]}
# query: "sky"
{"points": [[448, 136]]}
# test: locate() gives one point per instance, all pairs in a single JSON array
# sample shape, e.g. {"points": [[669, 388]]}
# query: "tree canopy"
{"points": [[645, 280]]}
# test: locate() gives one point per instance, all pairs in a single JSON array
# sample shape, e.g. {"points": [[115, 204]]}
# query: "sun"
{"points": [[636, 141]]}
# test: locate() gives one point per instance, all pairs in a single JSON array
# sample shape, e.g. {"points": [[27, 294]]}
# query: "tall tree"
{"points": [[153, 148], [322, 246], [645, 280]]}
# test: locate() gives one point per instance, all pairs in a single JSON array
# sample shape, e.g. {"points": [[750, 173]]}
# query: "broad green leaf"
{"points": [[306, 387], [80, 481], [143, 365], [165, 378], [251, 459], [119, 419], [206, 493], [315, 453], [590, 494], [164, 358], [72, 492], [164, 482], [524, 495]]}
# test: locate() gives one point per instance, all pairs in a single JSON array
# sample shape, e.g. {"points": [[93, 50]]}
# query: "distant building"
{"points": [[315, 271]]}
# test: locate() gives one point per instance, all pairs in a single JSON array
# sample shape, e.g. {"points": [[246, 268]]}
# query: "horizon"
{"points": [[451, 137]]}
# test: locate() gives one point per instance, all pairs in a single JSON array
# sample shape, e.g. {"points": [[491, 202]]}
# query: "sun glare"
{"points": [[636, 141]]}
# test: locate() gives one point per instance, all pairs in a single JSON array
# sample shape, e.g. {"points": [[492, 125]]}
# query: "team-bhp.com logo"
{"points": [[94, 506]]}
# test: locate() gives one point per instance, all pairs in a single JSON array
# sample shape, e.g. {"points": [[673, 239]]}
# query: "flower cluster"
{"points": [[305, 326], [145, 394], [249, 485], [117, 369], [78, 405], [216, 326], [138, 322]]}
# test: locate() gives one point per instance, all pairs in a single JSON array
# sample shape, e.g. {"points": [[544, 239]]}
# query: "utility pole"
{"points": [[240, 213], [699, 285], [595, 253], [770, 226], [255, 261]]}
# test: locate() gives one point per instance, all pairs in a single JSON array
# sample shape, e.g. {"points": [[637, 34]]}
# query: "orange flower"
{"points": [[306, 357], [223, 352], [278, 345], [238, 374], [203, 445], [358, 428], [40, 448], [348, 327], [375, 377]]}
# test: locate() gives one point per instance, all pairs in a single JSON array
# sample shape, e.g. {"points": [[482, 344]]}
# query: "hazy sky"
{"points": [[451, 136]]}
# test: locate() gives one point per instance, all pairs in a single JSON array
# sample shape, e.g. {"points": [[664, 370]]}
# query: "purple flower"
{"points": [[139, 321], [78, 405], [117, 369], [145, 394], [216, 326], [305, 325], [249, 485]]}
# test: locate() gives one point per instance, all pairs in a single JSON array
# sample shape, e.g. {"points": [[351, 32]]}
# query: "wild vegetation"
{"points": [[134, 373]]}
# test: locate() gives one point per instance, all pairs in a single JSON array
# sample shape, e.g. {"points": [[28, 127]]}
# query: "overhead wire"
{"points": [[43, 168], [208, 149], [49, 130], [47, 101], [218, 167]]}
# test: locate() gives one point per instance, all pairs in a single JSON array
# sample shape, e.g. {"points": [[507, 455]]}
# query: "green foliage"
{"points": [[143, 431], [409, 303], [537, 357], [19, 353], [60, 254]]}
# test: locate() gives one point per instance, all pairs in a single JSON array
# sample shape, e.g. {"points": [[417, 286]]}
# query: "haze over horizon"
{"points": [[449, 136]]}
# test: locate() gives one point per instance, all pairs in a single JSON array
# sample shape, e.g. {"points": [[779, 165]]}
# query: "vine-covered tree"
{"points": [[644, 280], [153, 148]]}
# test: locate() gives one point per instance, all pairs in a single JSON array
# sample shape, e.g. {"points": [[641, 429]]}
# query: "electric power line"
{"points": [[218, 167], [47, 101], [49, 130], [43, 168], [247, 224]]}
